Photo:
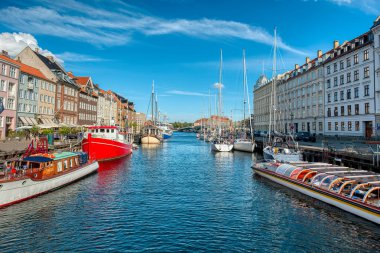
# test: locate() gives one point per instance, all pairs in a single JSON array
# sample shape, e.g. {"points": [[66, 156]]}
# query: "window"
{"points": [[335, 67], [335, 96], [2, 85], [349, 94], [335, 111], [356, 59], [356, 92], [366, 90], [348, 62], [329, 98], [4, 69], [349, 125], [329, 126], [342, 126], [328, 69], [341, 65], [320, 126], [356, 109], [356, 75], [357, 126], [328, 112], [335, 81], [366, 72], [341, 79], [366, 108], [366, 55], [348, 77], [348, 109], [342, 95], [336, 126], [10, 103], [12, 72], [342, 111]]}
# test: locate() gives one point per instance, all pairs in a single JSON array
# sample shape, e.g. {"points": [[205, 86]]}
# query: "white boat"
{"points": [[222, 147], [281, 154], [220, 144], [42, 173], [245, 144], [151, 133]]}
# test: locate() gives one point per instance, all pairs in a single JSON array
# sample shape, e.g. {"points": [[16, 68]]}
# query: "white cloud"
{"points": [[371, 7], [93, 24], [74, 57], [14, 43], [217, 85], [187, 93]]}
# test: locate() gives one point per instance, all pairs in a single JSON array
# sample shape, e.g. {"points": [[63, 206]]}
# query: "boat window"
{"points": [[102, 130], [76, 161], [112, 130], [295, 172], [34, 165], [326, 181], [108, 130], [65, 164], [71, 163], [96, 130], [59, 166], [316, 181]]}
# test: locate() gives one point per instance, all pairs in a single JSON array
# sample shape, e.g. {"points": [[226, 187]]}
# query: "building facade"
{"points": [[88, 101], [9, 78], [140, 119], [67, 91], [376, 71], [262, 100]]}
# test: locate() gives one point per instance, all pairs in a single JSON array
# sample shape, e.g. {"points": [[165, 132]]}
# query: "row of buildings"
{"points": [[36, 90], [336, 93]]}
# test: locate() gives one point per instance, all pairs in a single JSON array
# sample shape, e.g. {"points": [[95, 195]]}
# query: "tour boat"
{"points": [[41, 173], [105, 143], [355, 191]]}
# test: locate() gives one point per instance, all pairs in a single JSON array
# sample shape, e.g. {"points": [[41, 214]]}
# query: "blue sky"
{"points": [[124, 45]]}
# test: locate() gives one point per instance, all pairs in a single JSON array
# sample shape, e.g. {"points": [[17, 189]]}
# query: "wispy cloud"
{"points": [[186, 93], [117, 26], [367, 6], [75, 57]]}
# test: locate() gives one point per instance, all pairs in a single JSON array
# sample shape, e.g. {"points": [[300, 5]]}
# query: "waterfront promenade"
{"points": [[180, 196]]}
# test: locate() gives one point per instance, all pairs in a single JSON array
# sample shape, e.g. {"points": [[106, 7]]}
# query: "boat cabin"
{"points": [[151, 130], [43, 166], [110, 133]]}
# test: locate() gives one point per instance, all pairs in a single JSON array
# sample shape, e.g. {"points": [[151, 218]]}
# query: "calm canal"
{"points": [[181, 197]]}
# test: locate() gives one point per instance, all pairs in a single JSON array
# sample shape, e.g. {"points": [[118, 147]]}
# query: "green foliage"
{"points": [[64, 130], [177, 124], [47, 131], [35, 130]]}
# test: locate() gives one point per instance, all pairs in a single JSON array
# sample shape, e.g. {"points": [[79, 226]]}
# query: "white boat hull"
{"points": [[270, 156], [222, 147], [340, 204], [19, 190], [244, 146], [150, 140]]}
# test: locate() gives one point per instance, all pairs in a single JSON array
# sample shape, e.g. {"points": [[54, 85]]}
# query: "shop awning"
{"points": [[34, 121], [24, 122], [30, 123]]}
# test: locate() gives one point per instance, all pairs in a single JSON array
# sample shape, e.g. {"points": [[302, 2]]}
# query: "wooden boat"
{"points": [[151, 134], [41, 173], [355, 191]]}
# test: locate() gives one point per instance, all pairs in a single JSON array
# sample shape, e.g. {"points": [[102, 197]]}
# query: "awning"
{"points": [[29, 121], [38, 159], [48, 125], [24, 122], [34, 121]]}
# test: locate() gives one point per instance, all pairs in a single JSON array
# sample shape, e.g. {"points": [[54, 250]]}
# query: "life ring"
{"points": [[35, 175]]}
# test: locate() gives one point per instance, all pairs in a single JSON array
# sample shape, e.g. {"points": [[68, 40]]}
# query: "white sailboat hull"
{"points": [[269, 155], [23, 189], [150, 140], [221, 147], [246, 146]]}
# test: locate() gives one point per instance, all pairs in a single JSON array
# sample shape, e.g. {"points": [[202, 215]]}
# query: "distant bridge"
{"points": [[186, 129]]}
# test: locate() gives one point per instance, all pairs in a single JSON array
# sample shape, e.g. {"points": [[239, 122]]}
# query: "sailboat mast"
{"points": [[244, 85], [220, 113], [153, 120], [273, 95]]}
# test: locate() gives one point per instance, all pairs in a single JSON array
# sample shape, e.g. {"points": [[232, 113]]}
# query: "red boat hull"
{"points": [[103, 150]]}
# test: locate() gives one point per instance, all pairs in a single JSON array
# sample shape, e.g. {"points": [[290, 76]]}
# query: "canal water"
{"points": [[180, 196]]}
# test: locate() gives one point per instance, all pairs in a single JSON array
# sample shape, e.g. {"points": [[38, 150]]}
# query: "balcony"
{"points": [[30, 86]]}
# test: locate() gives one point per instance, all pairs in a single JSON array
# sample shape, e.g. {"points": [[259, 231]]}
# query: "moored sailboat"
{"points": [[150, 133], [243, 143]]}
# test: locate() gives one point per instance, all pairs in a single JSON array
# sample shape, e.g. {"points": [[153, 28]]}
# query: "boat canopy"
{"points": [[38, 159], [63, 155]]}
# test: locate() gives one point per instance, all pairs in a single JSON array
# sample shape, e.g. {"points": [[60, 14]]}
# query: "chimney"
{"points": [[336, 44], [51, 58], [307, 59], [296, 66], [319, 53], [5, 53]]}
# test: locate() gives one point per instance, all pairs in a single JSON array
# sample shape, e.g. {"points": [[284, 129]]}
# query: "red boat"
{"points": [[106, 143]]}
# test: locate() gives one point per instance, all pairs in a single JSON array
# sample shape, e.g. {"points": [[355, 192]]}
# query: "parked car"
{"points": [[305, 136], [257, 133], [264, 133]]}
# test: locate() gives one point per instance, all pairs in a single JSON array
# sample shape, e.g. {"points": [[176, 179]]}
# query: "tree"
{"points": [[35, 130]]}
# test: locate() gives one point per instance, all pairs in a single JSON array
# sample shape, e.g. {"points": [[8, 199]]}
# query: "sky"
{"points": [[125, 45]]}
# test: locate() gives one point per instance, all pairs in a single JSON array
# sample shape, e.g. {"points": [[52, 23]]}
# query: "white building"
{"points": [[261, 99], [376, 70], [349, 85]]}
